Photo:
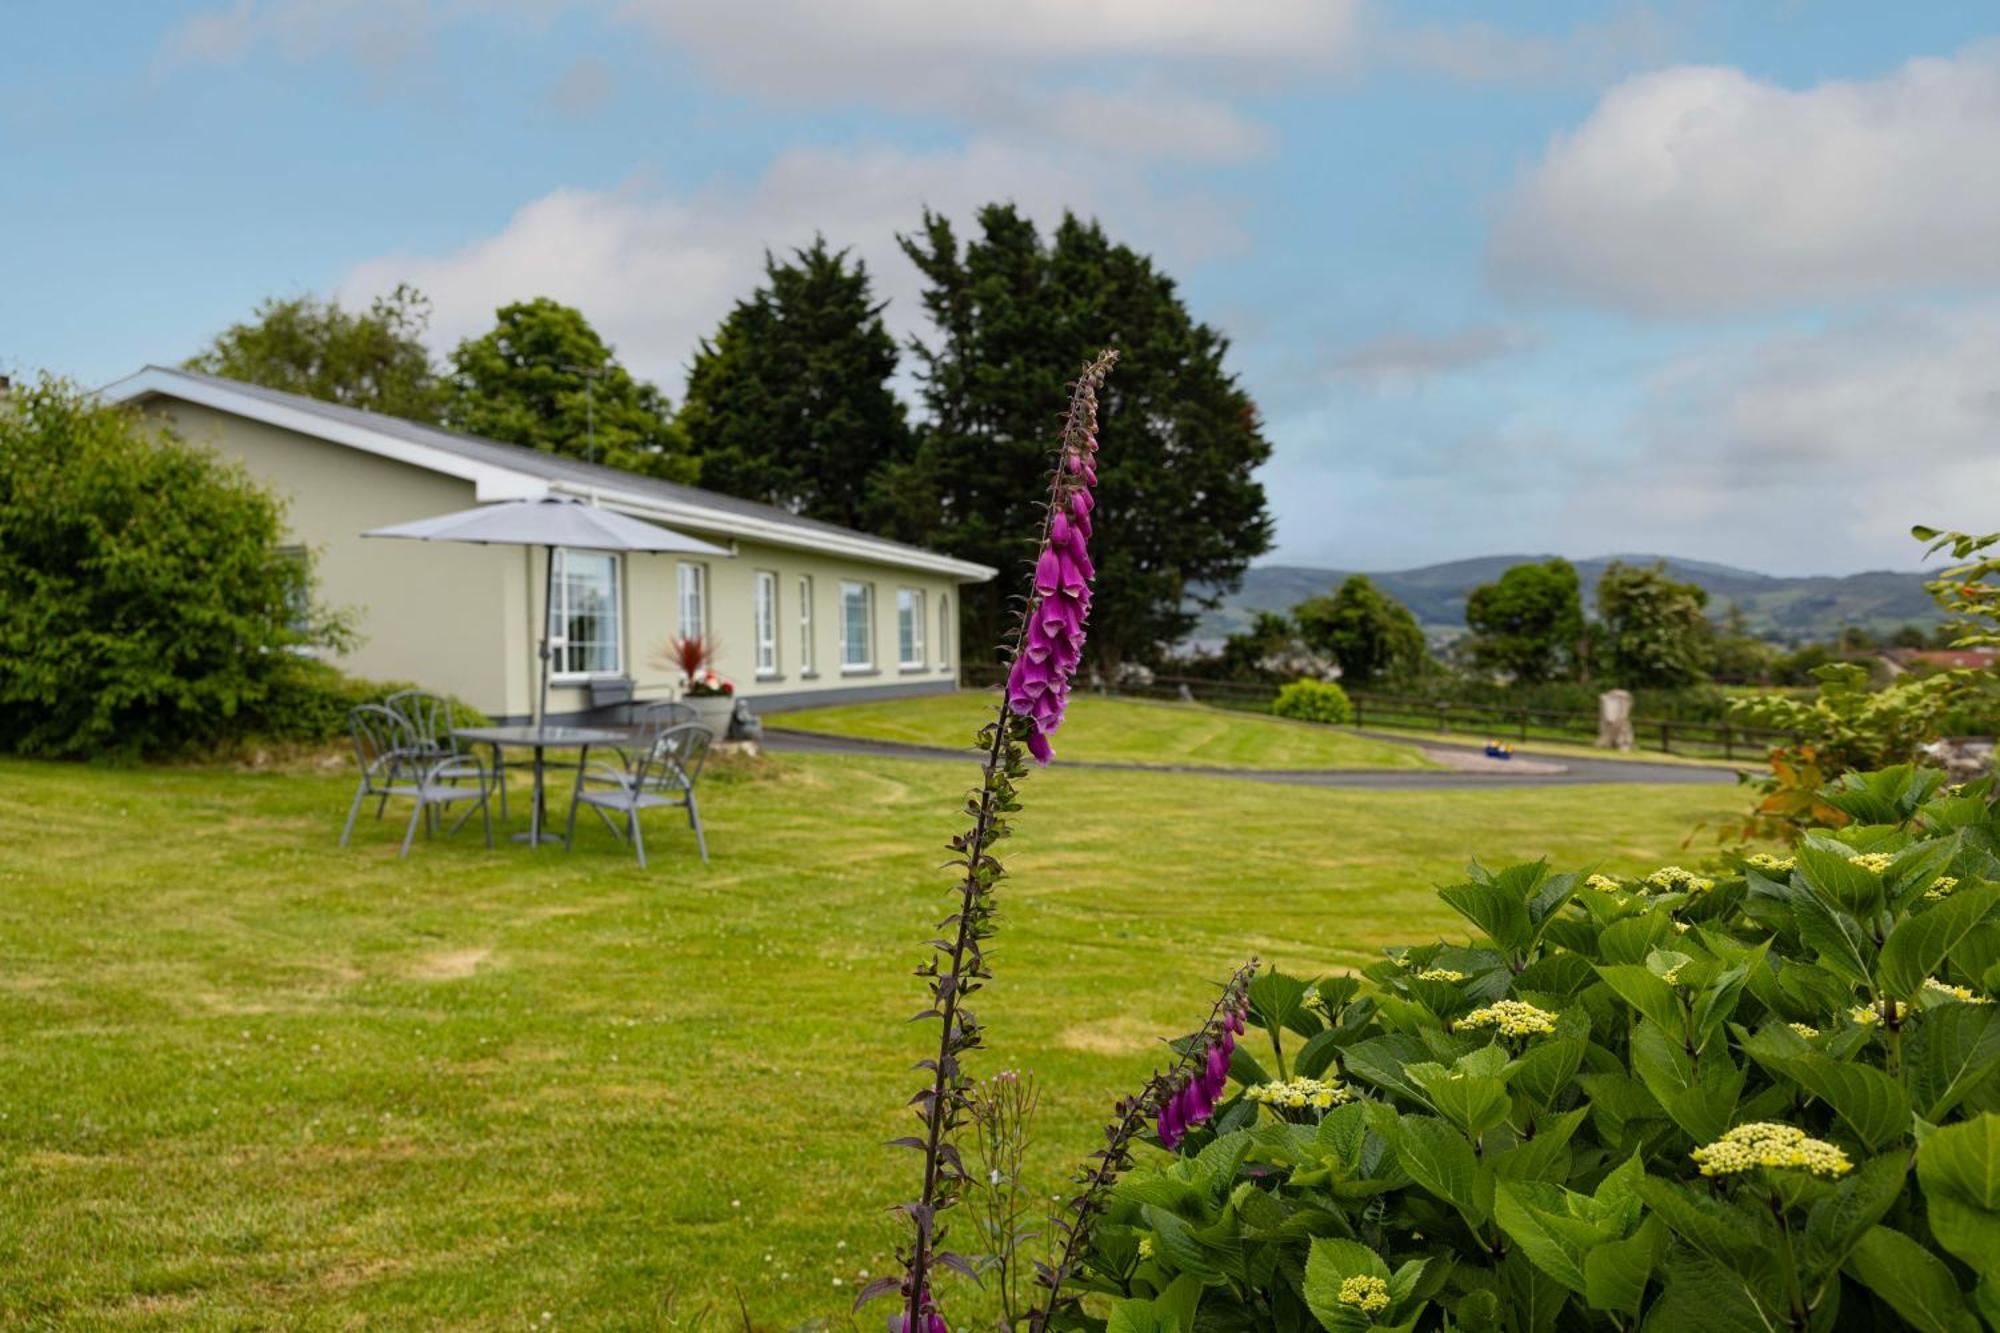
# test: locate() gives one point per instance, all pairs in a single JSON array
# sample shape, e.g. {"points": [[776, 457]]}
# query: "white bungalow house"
{"points": [[802, 612]]}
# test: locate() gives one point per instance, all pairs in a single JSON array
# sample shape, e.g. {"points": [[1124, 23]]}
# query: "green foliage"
{"points": [[790, 402], [1314, 701], [1848, 724], [1528, 623], [374, 360], [542, 377], [147, 605], [1371, 635], [1762, 1097], [306, 702], [1652, 630], [1016, 316]]}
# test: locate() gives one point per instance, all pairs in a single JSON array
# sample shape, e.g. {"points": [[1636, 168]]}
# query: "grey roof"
{"points": [[547, 467]]}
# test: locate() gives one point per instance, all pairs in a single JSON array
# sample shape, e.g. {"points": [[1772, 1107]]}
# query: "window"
{"points": [[944, 631], [805, 625], [857, 626], [767, 622], [909, 628], [298, 597], [694, 600], [584, 629]]}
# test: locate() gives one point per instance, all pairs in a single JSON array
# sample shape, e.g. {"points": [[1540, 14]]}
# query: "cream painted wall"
{"points": [[465, 619], [428, 612]]}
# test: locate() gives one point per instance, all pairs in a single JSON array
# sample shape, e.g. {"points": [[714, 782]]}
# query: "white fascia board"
{"points": [[704, 519], [489, 482]]}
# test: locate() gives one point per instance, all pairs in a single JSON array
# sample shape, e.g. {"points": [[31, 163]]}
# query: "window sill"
{"points": [[859, 671], [808, 675], [577, 682], [908, 669], [763, 676]]}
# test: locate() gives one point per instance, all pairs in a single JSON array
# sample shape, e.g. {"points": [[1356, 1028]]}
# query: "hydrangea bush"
{"points": [[1758, 1097]]}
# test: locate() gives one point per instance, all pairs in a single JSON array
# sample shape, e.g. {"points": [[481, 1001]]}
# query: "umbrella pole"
{"points": [[548, 614]]}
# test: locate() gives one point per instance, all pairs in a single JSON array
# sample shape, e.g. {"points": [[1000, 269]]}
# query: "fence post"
{"points": [[1358, 703], [1728, 749], [1666, 738], [1524, 726], [1444, 719]]}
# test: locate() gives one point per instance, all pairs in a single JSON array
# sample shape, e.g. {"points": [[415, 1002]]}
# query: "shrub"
{"points": [[306, 702], [1313, 701], [1762, 1096], [147, 607]]}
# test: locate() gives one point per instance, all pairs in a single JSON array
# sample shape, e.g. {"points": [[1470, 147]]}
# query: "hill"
{"points": [[1778, 608]]}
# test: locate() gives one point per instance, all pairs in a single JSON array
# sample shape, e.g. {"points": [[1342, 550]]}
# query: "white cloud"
{"points": [[1412, 358], [1484, 53], [655, 272], [1814, 449], [1699, 190]]}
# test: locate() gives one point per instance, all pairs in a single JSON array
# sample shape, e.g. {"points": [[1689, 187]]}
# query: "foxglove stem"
{"points": [[1046, 646], [1129, 1119]]}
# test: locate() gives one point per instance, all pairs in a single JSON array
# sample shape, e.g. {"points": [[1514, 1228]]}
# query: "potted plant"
{"points": [[711, 696]]}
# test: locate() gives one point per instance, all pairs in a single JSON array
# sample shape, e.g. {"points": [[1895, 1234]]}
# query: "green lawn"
{"points": [[249, 1080], [1128, 731]]}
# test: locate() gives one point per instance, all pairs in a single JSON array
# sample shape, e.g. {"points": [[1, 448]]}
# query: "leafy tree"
{"points": [[1179, 504], [543, 378], [1653, 630], [1369, 633], [1529, 622], [1740, 657], [373, 360], [790, 402], [147, 606]]}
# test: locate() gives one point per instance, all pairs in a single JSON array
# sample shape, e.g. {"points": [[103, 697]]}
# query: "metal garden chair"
{"points": [[385, 746], [664, 775], [434, 734]]}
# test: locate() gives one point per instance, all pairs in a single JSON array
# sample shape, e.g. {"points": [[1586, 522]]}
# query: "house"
{"points": [[802, 612], [1901, 660]]}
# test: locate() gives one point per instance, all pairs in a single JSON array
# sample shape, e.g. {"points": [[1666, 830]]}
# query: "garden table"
{"points": [[541, 740]]}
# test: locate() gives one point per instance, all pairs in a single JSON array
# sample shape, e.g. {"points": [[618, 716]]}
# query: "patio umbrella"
{"points": [[549, 522]]}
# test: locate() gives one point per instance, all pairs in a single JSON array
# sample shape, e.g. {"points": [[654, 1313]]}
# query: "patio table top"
{"points": [[541, 737]]}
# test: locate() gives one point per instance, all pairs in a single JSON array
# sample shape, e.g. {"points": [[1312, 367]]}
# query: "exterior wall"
{"points": [[427, 612], [652, 618], [466, 619]]}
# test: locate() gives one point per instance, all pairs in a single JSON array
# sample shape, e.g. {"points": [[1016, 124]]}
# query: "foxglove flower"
{"points": [[1052, 632]]}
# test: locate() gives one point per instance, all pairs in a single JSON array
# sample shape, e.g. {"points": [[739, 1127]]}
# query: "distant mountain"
{"points": [[1778, 608]]}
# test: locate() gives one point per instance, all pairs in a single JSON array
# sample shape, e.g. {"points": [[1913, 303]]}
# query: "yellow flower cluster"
{"points": [[1807, 1030], [1145, 1247], [1672, 976], [1955, 992], [1868, 1015], [1365, 1293], [1875, 861], [1766, 861], [1300, 1093], [1315, 1003], [1514, 1018], [1674, 877], [1767, 1143], [1604, 884], [1440, 974], [1942, 886]]}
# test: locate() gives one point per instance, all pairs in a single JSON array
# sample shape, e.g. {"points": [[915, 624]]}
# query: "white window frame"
{"points": [[691, 595], [910, 617], [848, 665], [559, 611], [806, 667], [764, 621], [944, 632]]}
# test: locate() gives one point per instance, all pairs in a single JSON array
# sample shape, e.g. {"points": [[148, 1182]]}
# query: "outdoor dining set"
{"points": [[409, 748]]}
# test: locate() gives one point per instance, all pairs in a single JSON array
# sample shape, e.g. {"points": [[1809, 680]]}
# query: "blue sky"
{"points": [[1714, 280]]}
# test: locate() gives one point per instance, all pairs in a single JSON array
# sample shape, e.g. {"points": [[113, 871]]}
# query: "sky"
{"points": [[1717, 280]]}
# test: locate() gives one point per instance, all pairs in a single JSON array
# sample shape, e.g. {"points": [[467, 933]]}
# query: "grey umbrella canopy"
{"points": [[549, 521]]}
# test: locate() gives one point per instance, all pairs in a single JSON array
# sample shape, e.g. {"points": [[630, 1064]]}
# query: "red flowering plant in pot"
{"points": [[710, 695], [1043, 652]]}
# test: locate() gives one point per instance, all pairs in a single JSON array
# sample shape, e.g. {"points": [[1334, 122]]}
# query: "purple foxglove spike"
{"points": [[1074, 462], [1048, 572], [1072, 576], [1089, 474], [1218, 1066], [1083, 563], [1090, 442], [1081, 503], [1059, 529]]}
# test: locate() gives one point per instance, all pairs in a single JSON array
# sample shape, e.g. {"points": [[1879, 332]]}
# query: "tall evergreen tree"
{"points": [[543, 378], [1016, 317], [373, 359], [790, 401]]}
